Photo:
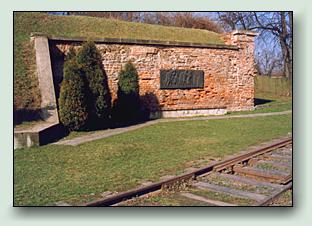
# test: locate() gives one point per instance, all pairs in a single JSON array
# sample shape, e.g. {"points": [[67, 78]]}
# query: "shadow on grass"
{"points": [[259, 101], [148, 105]]}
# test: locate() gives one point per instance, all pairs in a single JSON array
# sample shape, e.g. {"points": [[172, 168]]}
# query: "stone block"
{"points": [[187, 113]]}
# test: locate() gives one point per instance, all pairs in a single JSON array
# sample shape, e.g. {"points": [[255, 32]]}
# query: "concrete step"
{"points": [[38, 135]]}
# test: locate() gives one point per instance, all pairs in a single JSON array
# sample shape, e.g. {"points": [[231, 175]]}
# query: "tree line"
{"points": [[177, 19]]}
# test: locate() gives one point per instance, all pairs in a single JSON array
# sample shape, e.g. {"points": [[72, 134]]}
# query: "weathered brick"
{"points": [[228, 73]]}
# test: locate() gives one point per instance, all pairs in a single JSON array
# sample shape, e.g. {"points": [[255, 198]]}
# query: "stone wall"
{"points": [[228, 71]]}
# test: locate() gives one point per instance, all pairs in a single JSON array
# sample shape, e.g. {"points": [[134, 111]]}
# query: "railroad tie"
{"points": [[277, 156], [206, 200], [272, 175], [231, 191], [274, 163], [249, 181]]}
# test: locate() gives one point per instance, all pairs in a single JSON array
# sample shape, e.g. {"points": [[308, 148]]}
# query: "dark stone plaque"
{"points": [[181, 79]]}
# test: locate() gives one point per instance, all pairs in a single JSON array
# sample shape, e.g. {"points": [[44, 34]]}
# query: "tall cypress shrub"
{"points": [[72, 103], [127, 107], [98, 95]]}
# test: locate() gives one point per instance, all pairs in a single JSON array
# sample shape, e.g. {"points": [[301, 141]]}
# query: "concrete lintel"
{"points": [[145, 42], [38, 34]]}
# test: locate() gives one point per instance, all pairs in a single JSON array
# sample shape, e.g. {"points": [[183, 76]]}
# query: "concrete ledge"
{"points": [[187, 113], [50, 130], [138, 42], [38, 135], [25, 139]]}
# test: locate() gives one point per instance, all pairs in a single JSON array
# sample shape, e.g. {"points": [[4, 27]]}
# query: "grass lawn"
{"points": [[48, 174]]}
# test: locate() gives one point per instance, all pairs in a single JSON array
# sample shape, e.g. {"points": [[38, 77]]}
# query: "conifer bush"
{"points": [[72, 102], [97, 91], [127, 106]]}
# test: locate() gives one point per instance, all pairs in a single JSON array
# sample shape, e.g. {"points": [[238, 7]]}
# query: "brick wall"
{"points": [[228, 72]]}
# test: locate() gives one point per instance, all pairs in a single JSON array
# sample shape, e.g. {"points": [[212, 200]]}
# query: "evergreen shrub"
{"points": [[127, 106], [72, 102], [97, 90]]}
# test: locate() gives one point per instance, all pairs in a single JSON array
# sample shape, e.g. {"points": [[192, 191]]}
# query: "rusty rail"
{"points": [[190, 175], [235, 160], [276, 195]]}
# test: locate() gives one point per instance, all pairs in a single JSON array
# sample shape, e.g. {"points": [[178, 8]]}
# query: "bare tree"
{"points": [[269, 62], [177, 19], [190, 20], [271, 25], [181, 19]]}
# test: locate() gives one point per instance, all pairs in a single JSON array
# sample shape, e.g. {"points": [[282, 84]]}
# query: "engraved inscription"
{"points": [[181, 79]]}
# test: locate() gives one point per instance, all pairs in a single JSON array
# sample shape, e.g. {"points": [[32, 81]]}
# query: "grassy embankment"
{"points": [[45, 175]]}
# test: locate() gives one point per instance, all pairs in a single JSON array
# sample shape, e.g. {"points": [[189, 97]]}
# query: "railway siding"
{"points": [[236, 181]]}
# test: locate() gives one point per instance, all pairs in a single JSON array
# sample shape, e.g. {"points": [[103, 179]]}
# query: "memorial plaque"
{"points": [[181, 79]]}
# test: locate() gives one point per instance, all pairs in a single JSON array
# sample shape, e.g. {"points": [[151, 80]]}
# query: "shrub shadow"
{"points": [[259, 101], [104, 123], [57, 65], [28, 115], [148, 103]]}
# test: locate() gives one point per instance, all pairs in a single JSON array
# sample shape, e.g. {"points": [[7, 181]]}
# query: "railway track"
{"points": [[255, 178]]}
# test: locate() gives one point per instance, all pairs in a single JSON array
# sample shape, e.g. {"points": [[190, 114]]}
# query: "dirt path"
{"points": [[111, 132]]}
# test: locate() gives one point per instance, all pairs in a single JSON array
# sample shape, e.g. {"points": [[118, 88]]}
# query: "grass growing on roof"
{"points": [[45, 175], [83, 26]]}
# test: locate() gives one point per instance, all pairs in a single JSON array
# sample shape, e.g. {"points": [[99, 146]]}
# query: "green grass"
{"points": [[74, 134], [47, 174], [26, 91], [92, 27], [26, 86]]}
